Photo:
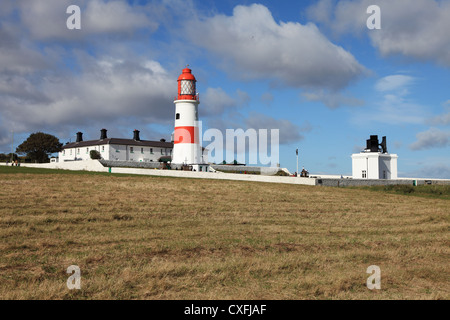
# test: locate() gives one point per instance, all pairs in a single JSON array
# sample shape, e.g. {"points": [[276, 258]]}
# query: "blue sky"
{"points": [[309, 68]]}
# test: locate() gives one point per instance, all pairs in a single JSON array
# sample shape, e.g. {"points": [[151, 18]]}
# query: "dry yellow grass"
{"points": [[165, 238]]}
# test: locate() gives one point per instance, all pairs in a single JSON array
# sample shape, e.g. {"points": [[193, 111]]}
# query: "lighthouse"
{"points": [[187, 149]]}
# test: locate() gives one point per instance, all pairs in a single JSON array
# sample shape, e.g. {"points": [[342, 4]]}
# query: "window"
{"points": [[177, 117], [103, 148], [187, 87], [151, 150], [131, 150], [142, 150], [161, 151], [364, 174], [64, 152], [70, 151], [78, 151], [87, 150]]}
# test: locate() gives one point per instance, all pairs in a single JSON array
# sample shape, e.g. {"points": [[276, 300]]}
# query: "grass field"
{"points": [[138, 237]]}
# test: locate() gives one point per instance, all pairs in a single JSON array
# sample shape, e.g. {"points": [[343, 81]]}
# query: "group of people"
{"points": [[14, 163], [304, 173]]}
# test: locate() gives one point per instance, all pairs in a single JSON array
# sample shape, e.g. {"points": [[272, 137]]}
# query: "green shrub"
{"points": [[95, 155]]}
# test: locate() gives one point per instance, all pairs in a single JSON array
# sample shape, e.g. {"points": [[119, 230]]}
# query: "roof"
{"points": [[186, 75], [128, 142]]}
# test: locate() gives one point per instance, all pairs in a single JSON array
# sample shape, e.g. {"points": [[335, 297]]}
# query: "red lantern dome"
{"points": [[186, 86]]}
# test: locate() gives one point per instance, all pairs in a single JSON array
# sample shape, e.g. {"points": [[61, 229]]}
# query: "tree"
{"points": [[7, 157], [38, 146]]}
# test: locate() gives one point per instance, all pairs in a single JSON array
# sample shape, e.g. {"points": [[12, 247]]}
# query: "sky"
{"points": [[312, 69]]}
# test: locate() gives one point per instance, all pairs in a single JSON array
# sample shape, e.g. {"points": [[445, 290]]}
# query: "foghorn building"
{"points": [[374, 162]]}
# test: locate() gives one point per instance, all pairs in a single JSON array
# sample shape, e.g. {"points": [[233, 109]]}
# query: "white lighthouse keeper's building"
{"points": [[187, 149]]}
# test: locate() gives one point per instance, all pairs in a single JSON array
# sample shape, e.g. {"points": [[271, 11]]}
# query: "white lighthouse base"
{"points": [[187, 153]]}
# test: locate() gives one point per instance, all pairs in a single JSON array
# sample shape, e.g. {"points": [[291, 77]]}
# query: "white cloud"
{"points": [[393, 104], [108, 90], [398, 144], [17, 56], [432, 138], [116, 17], [243, 97], [439, 171], [6, 7], [397, 110], [416, 29], [216, 101], [322, 11], [5, 138], [267, 98], [432, 171], [442, 119], [253, 45], [332, 100], [46, 19], [289, 131], [393, 82]]}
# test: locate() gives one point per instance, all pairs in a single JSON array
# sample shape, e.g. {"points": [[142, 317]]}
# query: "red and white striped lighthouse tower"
{"points": [[187, 149]]}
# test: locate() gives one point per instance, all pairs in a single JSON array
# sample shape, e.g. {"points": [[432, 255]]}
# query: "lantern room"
{"points": [[186, 86]]}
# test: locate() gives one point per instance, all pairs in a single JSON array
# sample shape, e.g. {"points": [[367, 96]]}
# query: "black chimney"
{"points": [[103, 134], [162, 140], [136, 135], [79, 136]]}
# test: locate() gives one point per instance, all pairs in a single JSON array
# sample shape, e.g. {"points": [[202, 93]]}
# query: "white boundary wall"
{"points": [[86, 165], [216, 175], [95, 165]]}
